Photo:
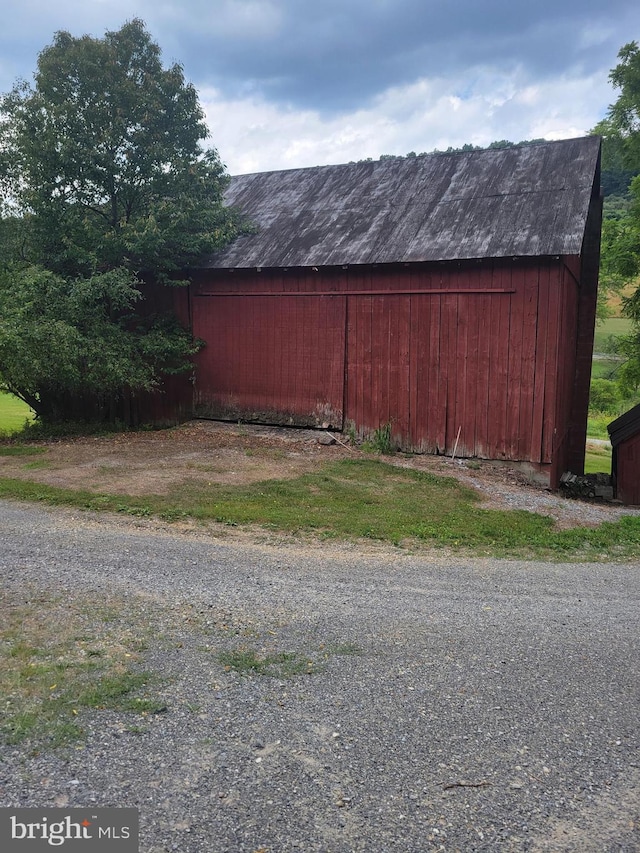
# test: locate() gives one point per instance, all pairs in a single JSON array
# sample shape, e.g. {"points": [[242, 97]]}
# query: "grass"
{"points": [[36, 465], [605, 367], [598, 459], [380, 441], [612, 326], [277, 664], [13, 414], [362, 499], [247, 661], [20, 450], [58, 658], [353, 499]]}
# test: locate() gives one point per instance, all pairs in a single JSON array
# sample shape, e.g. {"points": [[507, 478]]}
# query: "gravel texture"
{"points": [[454, 704]]}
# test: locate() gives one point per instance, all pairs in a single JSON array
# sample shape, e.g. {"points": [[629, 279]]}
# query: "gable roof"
{"points": [[624, 427], [523, 201]]}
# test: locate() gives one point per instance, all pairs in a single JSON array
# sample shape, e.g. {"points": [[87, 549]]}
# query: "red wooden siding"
{"points": [[469, 360], [275, 360], [563, 386], [628, 470], [484, 350], [174, 402]]}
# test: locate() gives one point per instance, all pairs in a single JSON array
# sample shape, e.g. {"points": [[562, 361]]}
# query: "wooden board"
{"points": [[269, 360], [483, 351]]}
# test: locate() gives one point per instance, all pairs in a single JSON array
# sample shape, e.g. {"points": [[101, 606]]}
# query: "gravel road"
{"points": [[455, 704]]}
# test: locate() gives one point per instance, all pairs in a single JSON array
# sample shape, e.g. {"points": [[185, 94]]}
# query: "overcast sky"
{"points": [[288, 83]]}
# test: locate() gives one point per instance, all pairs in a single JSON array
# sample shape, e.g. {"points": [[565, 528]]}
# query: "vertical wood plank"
{"points": [[528, 362], [485, 324], [516, 329], [542, 355]]}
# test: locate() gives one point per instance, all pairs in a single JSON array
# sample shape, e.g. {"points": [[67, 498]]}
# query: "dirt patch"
{"points": [[140, 463], [234, 454]]}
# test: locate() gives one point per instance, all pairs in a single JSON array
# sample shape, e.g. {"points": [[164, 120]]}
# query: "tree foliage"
{"points": [[62, 352], [621, 178], [106, 183], [621, 163], [105, 152]]}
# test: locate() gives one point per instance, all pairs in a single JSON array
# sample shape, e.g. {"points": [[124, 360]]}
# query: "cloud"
{"points": [[289, 83], [254, 135], [334, 56], [338, 55]]}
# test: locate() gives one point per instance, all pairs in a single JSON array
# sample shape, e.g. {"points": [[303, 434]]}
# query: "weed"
{"points": [[246, 661], [278, 665], [380, 441], [173, 514], [114, 691], [352, 435], [138, 511]]}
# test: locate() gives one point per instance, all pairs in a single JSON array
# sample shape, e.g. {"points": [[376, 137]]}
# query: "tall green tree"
{"points": [[621, 231], [106, 184]]}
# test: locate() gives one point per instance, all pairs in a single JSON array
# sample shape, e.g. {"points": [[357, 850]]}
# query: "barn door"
{"points": [[276, 358]]}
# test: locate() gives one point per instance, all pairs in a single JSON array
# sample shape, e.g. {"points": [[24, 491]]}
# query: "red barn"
{"points": [[451, 296], [624, 433]]}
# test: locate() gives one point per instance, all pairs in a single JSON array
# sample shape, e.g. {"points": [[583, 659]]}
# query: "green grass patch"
{"points": [[58, 658], [250, 661], [21, 450], [605, 367], [598, 459], [275, 665], [37, 465], [13, 414], [361, 499]]}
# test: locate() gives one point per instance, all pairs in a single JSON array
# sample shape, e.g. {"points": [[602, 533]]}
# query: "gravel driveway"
{"points": [[456, 704]]}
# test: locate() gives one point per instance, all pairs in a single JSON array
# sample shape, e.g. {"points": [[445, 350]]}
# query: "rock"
{"points": [[326, 438]]}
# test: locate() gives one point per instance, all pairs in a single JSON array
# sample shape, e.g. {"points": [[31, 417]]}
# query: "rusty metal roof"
{"points": [[524, 201]]}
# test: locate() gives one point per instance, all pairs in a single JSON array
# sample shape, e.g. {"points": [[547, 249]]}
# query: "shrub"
{"points": [[605, 397]]}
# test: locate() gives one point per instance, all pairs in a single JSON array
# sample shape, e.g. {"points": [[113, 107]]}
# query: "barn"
{"points": [[624, 434], [448, 297]]}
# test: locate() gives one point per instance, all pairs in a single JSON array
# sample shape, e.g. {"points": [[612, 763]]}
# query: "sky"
{"points": [[293, 83]]}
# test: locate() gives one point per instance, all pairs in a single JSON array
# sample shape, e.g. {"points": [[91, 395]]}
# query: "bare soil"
{"points": [[142, 463]]}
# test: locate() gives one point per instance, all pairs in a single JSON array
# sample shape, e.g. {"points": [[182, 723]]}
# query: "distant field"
{"points": [[605, 368], [614, 301], [612, 326], [13, 413]]}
